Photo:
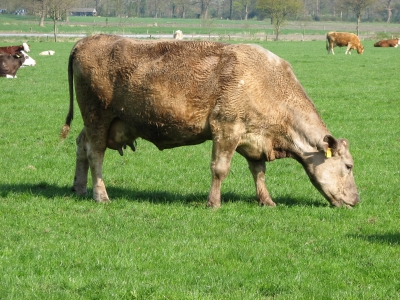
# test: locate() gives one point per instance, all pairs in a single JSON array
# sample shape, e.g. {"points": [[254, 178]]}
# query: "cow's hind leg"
{"points": [[96, 136], [90, 154], [257, 169], [87, 157], [82, 165], [96, 158]]}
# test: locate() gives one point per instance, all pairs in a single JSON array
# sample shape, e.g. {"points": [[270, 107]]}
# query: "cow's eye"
{"points": [[349, 167]]}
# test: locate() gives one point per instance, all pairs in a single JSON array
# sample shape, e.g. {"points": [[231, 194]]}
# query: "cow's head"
{"points": [[29, 61], [360, 49], [331, 172]]}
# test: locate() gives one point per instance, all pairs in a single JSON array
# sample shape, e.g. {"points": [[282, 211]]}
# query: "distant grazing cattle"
{"points": [[29, 61], [178, 35], [242, 97], [15, 49], [47, 52], [388, 43], [9, 64], [343, 39]]}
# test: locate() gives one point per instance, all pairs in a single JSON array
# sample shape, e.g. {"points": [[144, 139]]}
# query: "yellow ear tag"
{"points": [[328, 152]]}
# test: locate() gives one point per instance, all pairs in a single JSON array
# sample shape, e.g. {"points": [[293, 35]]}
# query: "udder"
{"points": [[119, 136]]}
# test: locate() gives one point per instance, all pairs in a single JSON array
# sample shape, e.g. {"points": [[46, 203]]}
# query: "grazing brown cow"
{"points": [[343, 39], [388, 43], [9, 64], [15, 49], [177, 93]]}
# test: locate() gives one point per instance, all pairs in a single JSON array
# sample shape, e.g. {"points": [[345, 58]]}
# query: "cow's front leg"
{"points": [[223, 150], [257, 169], [82, 165], [219, 169]]}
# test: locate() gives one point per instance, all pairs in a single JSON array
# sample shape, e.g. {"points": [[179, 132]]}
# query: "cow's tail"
{"points": [[327, 42], [65, 129]]}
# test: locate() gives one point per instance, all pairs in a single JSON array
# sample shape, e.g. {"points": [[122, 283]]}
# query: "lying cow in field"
{"points": [[388, 43], [15, 49], [178, 35], [242, 97], [343, 39], [9, 65], [47, 52]]}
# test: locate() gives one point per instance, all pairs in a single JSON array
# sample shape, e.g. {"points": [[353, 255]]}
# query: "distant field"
{"points": [[221, 29], [157, 240]]}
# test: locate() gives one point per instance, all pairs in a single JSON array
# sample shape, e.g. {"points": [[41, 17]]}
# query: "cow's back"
{"points": [[162, 88]]}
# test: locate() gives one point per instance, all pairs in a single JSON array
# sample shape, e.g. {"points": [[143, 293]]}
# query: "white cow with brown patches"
{"points": [[242, 97]]}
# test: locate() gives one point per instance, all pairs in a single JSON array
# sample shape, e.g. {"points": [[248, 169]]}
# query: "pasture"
{"points": [[156, 239]]}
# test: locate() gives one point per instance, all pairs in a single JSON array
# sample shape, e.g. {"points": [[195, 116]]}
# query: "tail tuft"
{"points": [[64, 131]]}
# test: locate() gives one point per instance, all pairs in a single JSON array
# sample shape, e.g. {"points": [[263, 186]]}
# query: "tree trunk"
{"points": [[277, 33], [246, 12], [358, 24], [137, 8], [41, 21], [277, 27], [204, 12], [389, 10], [55, 29]]}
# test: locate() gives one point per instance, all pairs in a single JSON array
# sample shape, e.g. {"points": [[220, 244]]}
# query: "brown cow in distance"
{"points": [[174, 93], [343, 39], [388, 43]]}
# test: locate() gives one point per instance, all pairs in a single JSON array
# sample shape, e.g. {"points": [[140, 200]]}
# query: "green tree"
{"points": [[358, 7], [279, 11], [57, 10], [243, 5]]}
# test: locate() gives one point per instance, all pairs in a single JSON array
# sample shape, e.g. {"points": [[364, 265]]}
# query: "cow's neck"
{"points": [[304, 135]]}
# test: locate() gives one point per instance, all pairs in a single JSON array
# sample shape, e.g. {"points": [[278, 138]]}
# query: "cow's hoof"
{"points": [[213, 204], [101, 197], [267, 203], [80, 191]]}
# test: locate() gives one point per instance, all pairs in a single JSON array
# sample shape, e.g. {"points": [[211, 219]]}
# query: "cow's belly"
{"points": [[166, 126], [168, 133]]}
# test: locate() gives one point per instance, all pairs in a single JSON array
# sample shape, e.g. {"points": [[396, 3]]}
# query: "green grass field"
{"points": [[156, 239]]}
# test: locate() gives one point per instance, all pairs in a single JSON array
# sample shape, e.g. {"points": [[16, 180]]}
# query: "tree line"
{"points": [[332, 10]]}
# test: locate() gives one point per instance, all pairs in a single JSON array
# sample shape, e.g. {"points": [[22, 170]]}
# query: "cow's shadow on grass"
{"points": [[52, 191], [389, 238]]}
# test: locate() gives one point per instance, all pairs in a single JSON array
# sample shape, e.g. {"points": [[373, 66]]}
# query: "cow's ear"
{"points": [[331, 145], [343, 145]]}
